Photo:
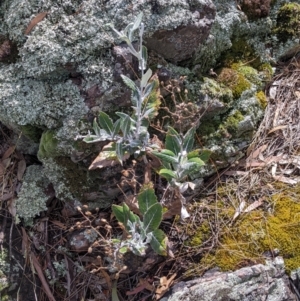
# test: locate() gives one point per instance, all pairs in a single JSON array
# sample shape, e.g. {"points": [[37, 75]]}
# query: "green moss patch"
{"points": [[48, 145], [254, 233], [200, 235], [262, 99], [240, 51], [234, 80], [232, 122], [248, 72]]}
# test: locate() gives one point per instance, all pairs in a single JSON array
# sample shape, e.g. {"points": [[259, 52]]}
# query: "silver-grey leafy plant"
{"points": [[178, 159], [142, 232], [130, 133], [180, 162]]}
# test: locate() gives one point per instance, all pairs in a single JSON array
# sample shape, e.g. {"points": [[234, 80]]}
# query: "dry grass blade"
{"points": [[283, 179], [276, 128], [259, 150]]}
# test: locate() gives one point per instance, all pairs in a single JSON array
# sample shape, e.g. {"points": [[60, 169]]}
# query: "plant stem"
{"points": [[141, 94]]}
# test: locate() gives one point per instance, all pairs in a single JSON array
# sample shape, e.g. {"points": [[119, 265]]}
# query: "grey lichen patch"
{"points": [[74, 30], [56, 174], [32, 197], [214, 90], [27, 101]]}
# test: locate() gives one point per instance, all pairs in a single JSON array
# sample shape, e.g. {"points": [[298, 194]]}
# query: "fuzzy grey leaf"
{"points": [[188, 140], [106, 122], [152, 218], [129, 83]]}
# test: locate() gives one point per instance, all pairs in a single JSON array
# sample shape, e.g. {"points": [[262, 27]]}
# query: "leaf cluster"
{"points": [[178, 159], [142, 232]]}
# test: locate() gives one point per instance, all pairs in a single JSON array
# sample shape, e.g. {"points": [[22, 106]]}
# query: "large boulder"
{"points": [[61, 64], [255, 283]]}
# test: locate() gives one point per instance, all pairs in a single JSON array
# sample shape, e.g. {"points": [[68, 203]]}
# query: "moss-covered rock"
{"points": [[32, 132], [261, 97], [288, 22], [234, 80], [233, 121]]}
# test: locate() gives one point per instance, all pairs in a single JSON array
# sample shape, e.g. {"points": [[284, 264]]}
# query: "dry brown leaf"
{"points": [[12, 208], [276, 128], [6, 196], [259, 150], [107, 279], [273, 159], [261, 157], [2, 169], [143, 284], [132, 202], [297, 93], [173, 202], [269, 160], [255, 164], [6, 162], [106, 159], [164, 286], [21, 169], [8, 152], [38, 18], [59, 224]]}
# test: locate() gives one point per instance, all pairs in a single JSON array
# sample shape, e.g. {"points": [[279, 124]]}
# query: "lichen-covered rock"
{"points": [[255, 283], [237, 37], [72, 181], [58, 69], [180, 43], [288, 22]]}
